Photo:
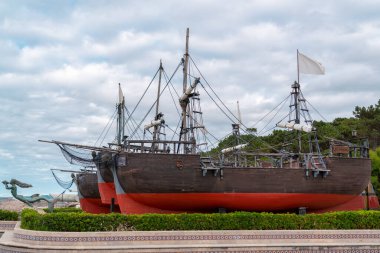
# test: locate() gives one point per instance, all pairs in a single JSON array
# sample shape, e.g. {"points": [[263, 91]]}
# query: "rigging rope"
{"points": [[175, 132], [64, 184], [237, 120], [274, 116], [271, 111], [110, 120], [216, 94], [141, 122], [133, 122], [171, 94], [317, 111], [109, 127], [76, 157], [268, 130], [134, 109], [196, 122], [216, 103]]}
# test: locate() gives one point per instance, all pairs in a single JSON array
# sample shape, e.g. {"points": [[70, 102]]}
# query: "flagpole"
{"points": [[298, 68], [296, 104]]}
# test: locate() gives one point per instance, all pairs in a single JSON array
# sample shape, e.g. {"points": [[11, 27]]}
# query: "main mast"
{"points": [[188, 92], [185, 107]]}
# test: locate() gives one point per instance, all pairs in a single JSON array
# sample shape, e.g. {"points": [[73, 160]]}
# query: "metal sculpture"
{"points": [[12, 186]]}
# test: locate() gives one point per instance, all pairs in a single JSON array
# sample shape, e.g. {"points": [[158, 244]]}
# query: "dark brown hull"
{"points": [[87, 184], [156, 173], [175, 182], [105, 179], [89, 196]]}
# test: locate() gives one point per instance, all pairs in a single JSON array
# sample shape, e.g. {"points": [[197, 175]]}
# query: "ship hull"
{"points": [[93, 205], [89, 196], [106, 186], [175, 183], [367, 200], [107, 193], [211, 202]]}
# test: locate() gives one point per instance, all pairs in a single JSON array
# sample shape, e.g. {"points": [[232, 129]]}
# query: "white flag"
{"points": [[309, 66]]}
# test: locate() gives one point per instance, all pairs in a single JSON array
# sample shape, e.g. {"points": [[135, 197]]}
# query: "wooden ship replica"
{"points": [[156, 175]]}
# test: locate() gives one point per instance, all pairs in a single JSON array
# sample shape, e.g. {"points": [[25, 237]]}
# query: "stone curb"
{"points": [[7, 225], [20, 240]]}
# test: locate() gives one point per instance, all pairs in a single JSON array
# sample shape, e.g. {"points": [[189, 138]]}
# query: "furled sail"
{"points": [[230, 149], [292, 125], [154, 123], [189, 90]]}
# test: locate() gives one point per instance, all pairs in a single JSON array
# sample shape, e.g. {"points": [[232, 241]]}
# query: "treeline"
{"points": [[363, 126]]}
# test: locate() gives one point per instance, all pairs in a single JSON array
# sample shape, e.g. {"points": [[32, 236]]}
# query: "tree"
{"points": [[367, 113], [369, 122], [375, 159]]}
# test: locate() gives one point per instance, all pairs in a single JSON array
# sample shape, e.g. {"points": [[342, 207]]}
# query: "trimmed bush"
{"points": [[8, 215], [65, 210], [69, 221]]}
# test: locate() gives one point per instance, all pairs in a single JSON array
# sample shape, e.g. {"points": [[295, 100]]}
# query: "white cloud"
{"points": [[61, 63], [5, 154]]}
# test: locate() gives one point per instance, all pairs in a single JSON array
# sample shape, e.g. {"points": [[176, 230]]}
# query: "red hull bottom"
{"points": [[373, 203], [357, 203], [95, 205], [107, 192], [139, 203]]}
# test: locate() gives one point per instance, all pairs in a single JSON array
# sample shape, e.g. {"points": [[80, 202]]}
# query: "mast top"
{"points": [[186, 61], [187, 42]]}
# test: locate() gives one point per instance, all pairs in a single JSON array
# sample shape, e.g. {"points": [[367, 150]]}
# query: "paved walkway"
{"points": [[291, 241]]}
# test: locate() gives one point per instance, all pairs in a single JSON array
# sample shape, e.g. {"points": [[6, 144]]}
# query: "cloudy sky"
{"points": [[61, 61]]}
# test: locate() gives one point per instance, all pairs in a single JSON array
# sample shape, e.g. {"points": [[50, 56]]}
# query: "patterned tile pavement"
{"points": [[257, 251], [193, 237], [6, 225], [306, 241]]}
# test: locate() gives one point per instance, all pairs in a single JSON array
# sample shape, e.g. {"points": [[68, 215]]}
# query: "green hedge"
{"points": [[65, 210], [66, 221], [70, 221], [8, 215]]}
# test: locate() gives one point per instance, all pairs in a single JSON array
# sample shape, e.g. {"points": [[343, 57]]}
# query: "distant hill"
{"points": [[5, 198]]}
